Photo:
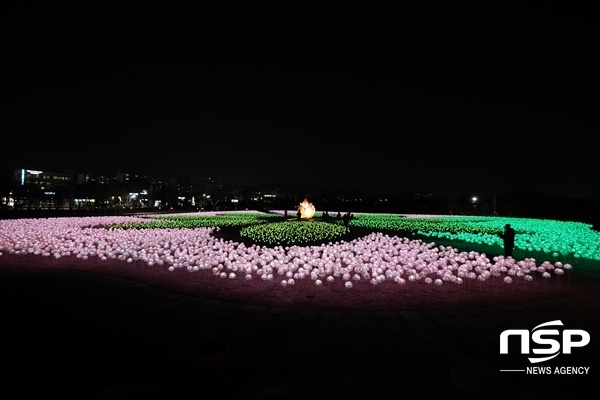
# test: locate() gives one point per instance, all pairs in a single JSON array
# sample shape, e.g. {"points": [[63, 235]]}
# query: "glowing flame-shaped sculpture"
{"points": [[307, 209]]}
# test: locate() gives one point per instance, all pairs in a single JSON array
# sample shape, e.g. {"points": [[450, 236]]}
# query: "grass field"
{"points": [[373, 261]]}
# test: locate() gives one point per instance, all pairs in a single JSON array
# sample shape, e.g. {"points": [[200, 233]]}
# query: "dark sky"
{"points": [[459, 99]]}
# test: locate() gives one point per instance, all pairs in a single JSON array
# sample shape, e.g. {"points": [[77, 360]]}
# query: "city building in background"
{"points": [[101, 192], [35, 189]]}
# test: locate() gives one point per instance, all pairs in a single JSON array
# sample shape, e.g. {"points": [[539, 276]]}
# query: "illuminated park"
{"points": [[300, 206], [262, 257]]}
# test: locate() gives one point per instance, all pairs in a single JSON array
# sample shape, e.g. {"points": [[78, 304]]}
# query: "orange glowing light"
{"points": [[307, 209]]}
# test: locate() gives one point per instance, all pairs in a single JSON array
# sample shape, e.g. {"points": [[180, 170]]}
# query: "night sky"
{"points": [[452, 99]]}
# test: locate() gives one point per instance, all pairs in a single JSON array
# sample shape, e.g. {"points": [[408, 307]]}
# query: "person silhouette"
{"points": [[509, 240], [346, 219]]}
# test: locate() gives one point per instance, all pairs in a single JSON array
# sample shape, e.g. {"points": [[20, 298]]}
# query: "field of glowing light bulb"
{"points": [[377, 261]]}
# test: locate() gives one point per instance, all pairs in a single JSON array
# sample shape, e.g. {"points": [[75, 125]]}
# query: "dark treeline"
{"points": [[504, 205]]}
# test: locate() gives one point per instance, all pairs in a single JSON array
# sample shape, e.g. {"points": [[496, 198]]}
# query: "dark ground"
{"points": [[75, 330], [76, 333]]}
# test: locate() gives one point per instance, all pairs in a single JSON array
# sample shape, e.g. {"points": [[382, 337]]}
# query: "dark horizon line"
{"points": [[321, 189]]}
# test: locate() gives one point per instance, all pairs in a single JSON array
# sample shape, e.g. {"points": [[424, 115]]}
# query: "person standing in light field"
{"points": [[509, 240]]}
